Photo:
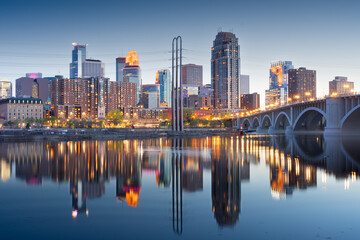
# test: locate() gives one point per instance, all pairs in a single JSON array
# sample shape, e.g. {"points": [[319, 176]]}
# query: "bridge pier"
{"points": [[335, 111], [289, 130]]}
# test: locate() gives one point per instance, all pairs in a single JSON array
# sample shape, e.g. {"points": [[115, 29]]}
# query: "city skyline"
{"points": [[319, 49]]}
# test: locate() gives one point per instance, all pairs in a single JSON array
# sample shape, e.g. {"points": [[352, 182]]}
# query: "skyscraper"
{"points": [[192, 74], [244, 84], [277, 94], [24, 87], [150, 96], [340, 86], [164, 80], [78, 56], [302, 85], [120, 64], [225, 71], [132, 71], [5, 89], [93, 68]]}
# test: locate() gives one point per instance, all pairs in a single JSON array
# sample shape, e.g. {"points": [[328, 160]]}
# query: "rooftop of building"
{"points": [[22, 100], [92, 60]]}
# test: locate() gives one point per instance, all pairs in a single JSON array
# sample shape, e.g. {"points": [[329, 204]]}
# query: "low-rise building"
{"points": [[21, 108]]}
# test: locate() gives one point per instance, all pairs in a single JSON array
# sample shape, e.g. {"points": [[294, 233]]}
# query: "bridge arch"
{"points": [[350, 122], [255, 122], [266, 122], [282, 121], [311, 118], [246, 123]]}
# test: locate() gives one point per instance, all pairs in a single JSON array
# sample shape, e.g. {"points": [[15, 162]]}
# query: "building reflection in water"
{"points": [[178, 164]]}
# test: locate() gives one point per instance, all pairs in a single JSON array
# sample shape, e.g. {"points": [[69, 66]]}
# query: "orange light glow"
{"points": [[132, 59], [132, 198], [277, 70]]}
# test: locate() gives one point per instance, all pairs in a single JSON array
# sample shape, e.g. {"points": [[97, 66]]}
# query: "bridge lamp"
{"points": [[297, 97], [307, 94], [289, 99]]}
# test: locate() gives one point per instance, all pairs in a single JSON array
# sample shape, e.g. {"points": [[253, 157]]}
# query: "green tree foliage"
{"points": [[116, 117]]}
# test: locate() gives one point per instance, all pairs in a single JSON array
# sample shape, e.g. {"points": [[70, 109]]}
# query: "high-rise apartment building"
{"points": [[244, 84], [340, 86], [43, 88], [5, 89], [277, 94], [132, 71], [93, 68], [78, 56], [301, 85], [164, 80], [225, 71], [192, 74], [250, 101], [120, 65]]}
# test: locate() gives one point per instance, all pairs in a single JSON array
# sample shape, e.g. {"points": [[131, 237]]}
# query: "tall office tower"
{"points": [[93, 68], [34, 75], [5, 89], [164, 80], [120, 64], [250, 101], [24, 87], [340, 86], [244, 84], [192, 74], [302, 85], [225, 71], [132, 71], [78, 56], [277, 94], [44, 88], [150, 96]]}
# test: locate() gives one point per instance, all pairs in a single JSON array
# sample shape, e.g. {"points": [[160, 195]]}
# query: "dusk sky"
{"points": [[36, 35]]}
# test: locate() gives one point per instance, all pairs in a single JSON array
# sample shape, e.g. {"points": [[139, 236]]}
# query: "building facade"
{"points": [[150, 96], [93, 68], [25, 88], [120, 64], [12, 109], [5, 89], [340, 86], [132, 71], [277, 94], [250, 101], [225, 71], [192, 74], [78, 56], [301, 85], [244, 84], [163, 78]]}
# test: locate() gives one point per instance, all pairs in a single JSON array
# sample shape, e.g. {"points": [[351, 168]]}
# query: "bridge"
{"points": [[332, 115]]}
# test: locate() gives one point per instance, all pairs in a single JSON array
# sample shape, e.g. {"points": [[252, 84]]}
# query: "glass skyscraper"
{"points": [[120, 65], [78, 56], [277, 94], [163, 78], [5, 89], [132, 71], [225, 71]]}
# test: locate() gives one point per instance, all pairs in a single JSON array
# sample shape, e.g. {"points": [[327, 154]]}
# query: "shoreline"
{"points": [[61, 134]]}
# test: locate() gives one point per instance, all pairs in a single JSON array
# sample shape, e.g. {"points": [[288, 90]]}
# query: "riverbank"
{"points": [[62, 134]]}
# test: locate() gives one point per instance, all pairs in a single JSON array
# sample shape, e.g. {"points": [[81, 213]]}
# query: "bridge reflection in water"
{"points": [[178, 165]]}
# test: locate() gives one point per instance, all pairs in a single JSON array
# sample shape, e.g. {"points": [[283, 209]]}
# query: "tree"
{"points": [[116, 117], [189, 114]]}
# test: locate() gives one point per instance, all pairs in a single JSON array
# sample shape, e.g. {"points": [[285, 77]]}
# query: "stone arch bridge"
{"points": [[332, 115]]}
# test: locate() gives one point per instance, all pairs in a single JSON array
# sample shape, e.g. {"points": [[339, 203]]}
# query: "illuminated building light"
{"points": [[74, 214]]}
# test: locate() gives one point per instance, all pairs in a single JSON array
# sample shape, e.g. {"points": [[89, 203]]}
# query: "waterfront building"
{"points": [[244, 84], [132, 71], [340, 86], [277, 94], [93, 68], [192, 74], [163, 78], [120, 65], [21, 108], [301, 85], [250, 101], [225, 71], [5, 89], [33, 75], [121, 95], [78, 56], [150, 96]]}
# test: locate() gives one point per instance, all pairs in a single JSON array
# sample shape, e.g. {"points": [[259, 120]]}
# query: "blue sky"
{"points": [[36, 35]]}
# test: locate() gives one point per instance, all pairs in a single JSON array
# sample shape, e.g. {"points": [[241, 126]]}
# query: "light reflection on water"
{"points": [[181, 187]]}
